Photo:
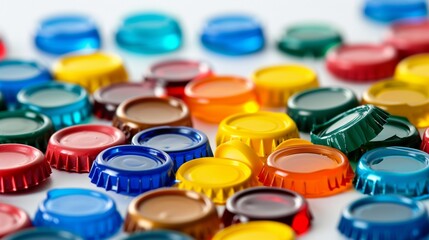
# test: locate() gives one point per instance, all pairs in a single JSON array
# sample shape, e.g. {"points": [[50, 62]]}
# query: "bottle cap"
{"points": [[385, 217], [25, 127], [43, 234], [261, 229], [91, 70], [66, 104], [413, 69], [387, 11], [182, 144], [316, 106], [409, 38], [275, 84], [13, 219], [21, 167], [293, 142], [132, 170], [303, 168], [159, 235], [362, 62], [425, 142], [413, 103], [74, 148], [173, 75], [2, 49], [149, 33], [393, 170], [2, 103], [87, 213], [351, 129], [108, 98], [309, 40], [216, 97], [273, 204], [173, 209], [67, 33], [17, 74], [239, 151], [233, 34], [137, 114], [262, 131]]}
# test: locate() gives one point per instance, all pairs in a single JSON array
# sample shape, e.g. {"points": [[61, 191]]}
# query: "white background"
{"points": [[19, 18]]}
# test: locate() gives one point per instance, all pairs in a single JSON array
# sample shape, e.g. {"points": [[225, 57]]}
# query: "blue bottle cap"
{"points": [[66, 104], [132, 170], [149, 33], [67, 33], [42, 234], [385, 217], [17, 74], [233, 35], [394, 10], [159, 235], [181, 143], [87, 213], [393, 170]]}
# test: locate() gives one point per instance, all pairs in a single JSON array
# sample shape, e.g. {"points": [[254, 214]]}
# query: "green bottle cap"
{"points": [[318, 105], [25, 127], [352, 129], [2, 104], [309, 40]]}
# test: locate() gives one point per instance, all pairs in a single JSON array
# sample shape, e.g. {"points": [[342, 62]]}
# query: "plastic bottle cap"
{"points": [[25, 127], [425, 142], [214, 98], [149, 33], [262, 131], [174, 209], [137, 114], [351, 129], [275, 84], [303, 168], [43, 234], [293, 142], [273, 204], [16, 74], [66, 104], [21, 167], [385, 217], [132, 170], [414, 69], [87, 213], [13, 219], [412, 104], [315, 106], [74, 148], [409, 38], [395, 10], [217, 178], [182, 144], [67, 33], [309, 40], [233, 35], [108, 98], [91, 71], [393, 170], [256, 230], [173, 75], [159, 235], [2, 50], [2, 103]]}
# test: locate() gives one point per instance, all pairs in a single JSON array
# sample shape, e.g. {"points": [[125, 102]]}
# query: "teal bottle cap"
{"points": [[43, 234]]}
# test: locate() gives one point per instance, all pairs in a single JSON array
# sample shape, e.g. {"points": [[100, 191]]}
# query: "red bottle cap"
{"points": [[74, 148], [107, 99], [409, 38], [2, 49], [425, 141], [362, 62], [12, 219], [21, 167], [173, 75]]}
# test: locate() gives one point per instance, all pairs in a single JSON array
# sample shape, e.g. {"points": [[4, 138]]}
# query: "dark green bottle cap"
{"points": [[318, 105], [312, 40], [2, 104], [25, 127], [352, 129]]}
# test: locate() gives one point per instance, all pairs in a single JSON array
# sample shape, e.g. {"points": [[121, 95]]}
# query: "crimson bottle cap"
{"points": [[12, 219]]}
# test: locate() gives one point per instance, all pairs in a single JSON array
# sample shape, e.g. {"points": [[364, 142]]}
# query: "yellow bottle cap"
{"points": [[275, 84], [414, 69], [401, 98], [293, 142], [262, 131], [239, 151], [91, 71], [266, 230]]}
